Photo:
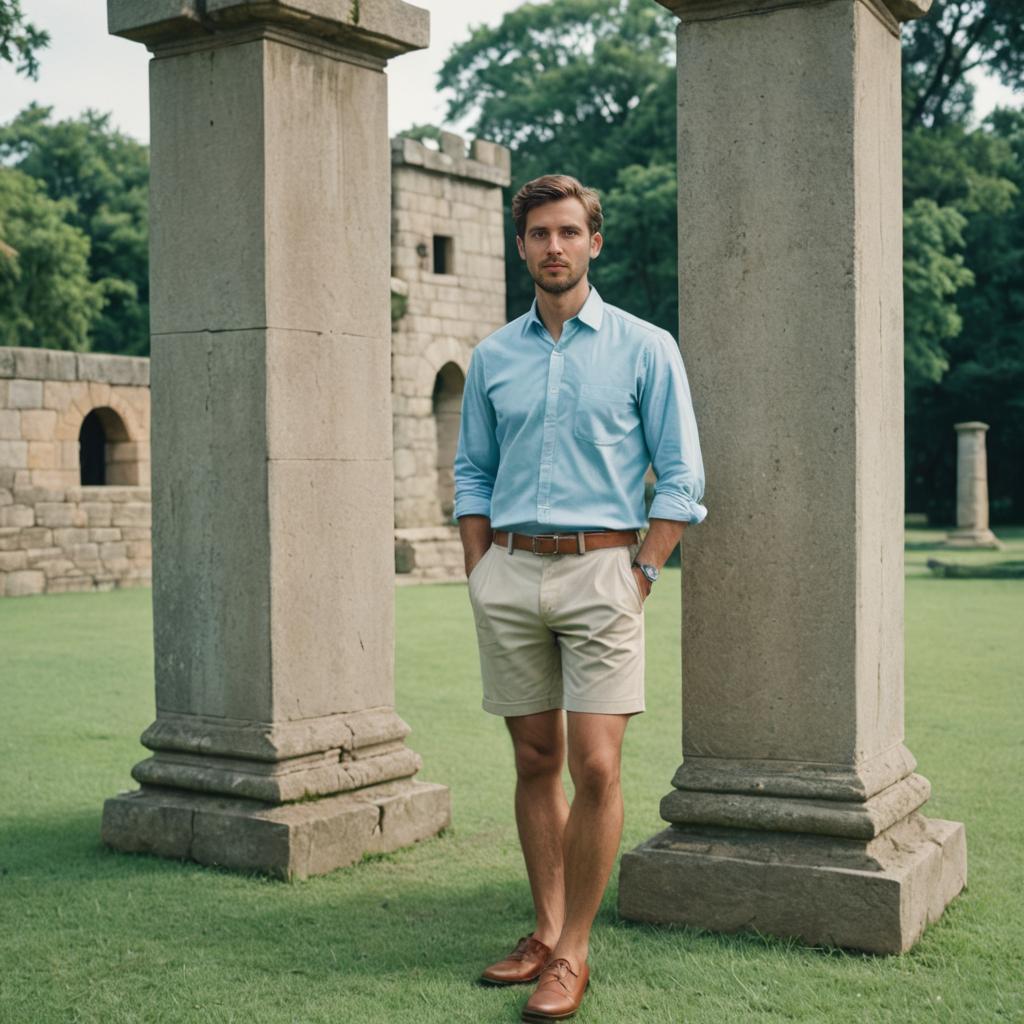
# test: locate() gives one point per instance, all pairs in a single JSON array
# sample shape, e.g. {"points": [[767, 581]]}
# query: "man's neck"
{"points": [[554, 310]]}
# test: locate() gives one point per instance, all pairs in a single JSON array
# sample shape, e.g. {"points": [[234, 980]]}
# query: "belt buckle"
{"points": [[543, 536]]}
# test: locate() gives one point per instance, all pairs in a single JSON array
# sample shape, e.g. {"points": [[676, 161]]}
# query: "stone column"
{"points": [[276, 745], [796, 810], [971, 490]]}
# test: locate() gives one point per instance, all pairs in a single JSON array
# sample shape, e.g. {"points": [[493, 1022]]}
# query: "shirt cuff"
{"points": [[677, 507], [472, 505]]}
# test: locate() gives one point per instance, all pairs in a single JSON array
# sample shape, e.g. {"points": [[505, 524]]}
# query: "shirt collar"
{"points": [[591, 313]]}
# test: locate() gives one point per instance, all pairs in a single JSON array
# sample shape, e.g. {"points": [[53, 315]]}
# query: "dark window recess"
{"points": [[443, 255], [92, 448]]}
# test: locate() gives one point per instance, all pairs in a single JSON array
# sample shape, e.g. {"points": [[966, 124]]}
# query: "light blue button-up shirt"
{"points": [[558, 436]]}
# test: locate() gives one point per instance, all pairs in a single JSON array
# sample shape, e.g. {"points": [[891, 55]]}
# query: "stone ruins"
{"points": [[276, 746], [448, 255], [796, 810], [74, 472], [972, 530], [58, 410]]}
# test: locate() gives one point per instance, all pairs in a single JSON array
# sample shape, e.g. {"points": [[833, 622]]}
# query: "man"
{"points": [[563, 411]]}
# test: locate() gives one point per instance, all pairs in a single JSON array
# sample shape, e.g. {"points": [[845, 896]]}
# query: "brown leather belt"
{"points": [[565, 543]]}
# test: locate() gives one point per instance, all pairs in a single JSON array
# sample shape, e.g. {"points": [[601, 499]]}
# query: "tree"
{"points": [[932, 274], [985, 379], [105, 176], [20, 40], [640, 211], [46, 298], [577, 87], [955, 37]]}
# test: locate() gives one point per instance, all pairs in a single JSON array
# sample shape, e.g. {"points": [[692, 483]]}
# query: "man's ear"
{"points": [[596, 242], [520, 247]]}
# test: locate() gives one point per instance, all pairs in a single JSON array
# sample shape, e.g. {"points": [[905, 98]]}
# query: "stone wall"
{"points": [[57, 534], [448, 257]]}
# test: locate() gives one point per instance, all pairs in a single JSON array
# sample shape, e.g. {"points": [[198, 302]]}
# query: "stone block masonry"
{"points": [[59, 533], [448, 254], [448, 261]]}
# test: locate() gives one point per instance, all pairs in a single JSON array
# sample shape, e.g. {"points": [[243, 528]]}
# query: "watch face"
{"points": [[650, 571]]}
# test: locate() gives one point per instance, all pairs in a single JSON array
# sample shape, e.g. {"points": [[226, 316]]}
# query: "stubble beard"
{"points": [[557, 287]]}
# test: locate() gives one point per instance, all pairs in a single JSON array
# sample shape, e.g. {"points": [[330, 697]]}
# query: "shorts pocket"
{"points": [[475, 571], [633, 583], [605, 415]]}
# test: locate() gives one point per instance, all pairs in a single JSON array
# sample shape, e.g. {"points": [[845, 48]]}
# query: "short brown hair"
{"points": [[549, 189]]}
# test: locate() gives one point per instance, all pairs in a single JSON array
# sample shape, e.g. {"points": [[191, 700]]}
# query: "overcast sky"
{"points": [[85, 67]]}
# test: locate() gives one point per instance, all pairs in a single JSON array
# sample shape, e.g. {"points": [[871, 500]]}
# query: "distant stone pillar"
{"points": [[276, 745], [972, 529], [796, 809]]}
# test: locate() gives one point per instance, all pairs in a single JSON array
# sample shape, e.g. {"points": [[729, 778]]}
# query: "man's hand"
{"points": [[642, 582], [661, 539], [475, 532]]}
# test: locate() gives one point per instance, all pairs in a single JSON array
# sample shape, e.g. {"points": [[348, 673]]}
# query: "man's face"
{"points": [[558, 246]]}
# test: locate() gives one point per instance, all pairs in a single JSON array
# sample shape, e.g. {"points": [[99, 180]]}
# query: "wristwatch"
{"points": [[650, 571]]}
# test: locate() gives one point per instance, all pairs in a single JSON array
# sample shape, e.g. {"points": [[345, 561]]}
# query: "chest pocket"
{"points": [[605, 415]]}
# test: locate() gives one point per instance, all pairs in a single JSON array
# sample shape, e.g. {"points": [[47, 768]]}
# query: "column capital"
{"points": [[379, 28], [711, 10], [970, 425]]}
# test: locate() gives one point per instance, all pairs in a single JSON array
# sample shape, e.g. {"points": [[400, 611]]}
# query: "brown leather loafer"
{"points": [[523, 964], [558, 993]]}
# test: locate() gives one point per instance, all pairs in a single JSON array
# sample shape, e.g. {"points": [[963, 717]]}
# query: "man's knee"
{"points": [[595, 772], [537, 759]]}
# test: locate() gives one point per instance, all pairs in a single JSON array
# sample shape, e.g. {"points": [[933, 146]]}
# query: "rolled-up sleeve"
{"points": [[670, 428], [476, 458]]}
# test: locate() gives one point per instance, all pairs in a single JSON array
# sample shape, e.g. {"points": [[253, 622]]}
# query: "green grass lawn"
{"points": [[88, 935]]}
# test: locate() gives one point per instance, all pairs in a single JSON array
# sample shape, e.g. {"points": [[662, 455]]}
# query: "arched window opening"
{"points": [[106, 455], [92, 451], [447, 410]]}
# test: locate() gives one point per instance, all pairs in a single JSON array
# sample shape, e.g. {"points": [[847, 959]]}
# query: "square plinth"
{"points": [[875, 897], [289, 840]]}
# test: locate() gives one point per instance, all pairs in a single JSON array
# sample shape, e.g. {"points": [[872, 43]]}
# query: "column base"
{"points": [[967, 539], [876, 896], [288, 841]]}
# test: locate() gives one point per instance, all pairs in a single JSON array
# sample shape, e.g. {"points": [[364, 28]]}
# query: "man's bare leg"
{"points": [[541, 813], [594, 828]]}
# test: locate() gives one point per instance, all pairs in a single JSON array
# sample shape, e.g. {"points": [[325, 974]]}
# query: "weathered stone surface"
{"points": [[131, 371], [876, 896], [23, 582], [289, 841], [279, 781], [381, 29], [354, 734], [972, 530], [794, 674], [272, 480], [25, 394], [854, 819], [44, 364]]}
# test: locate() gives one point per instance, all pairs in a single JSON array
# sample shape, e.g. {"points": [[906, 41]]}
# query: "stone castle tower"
{"points": [[448, 262]]}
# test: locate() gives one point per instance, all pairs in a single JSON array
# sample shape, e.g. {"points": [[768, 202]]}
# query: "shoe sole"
{"points": [[491, 983], [541, 1018]]}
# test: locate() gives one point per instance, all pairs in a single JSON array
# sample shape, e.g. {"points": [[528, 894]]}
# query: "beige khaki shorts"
{"points": [[559, 631]]}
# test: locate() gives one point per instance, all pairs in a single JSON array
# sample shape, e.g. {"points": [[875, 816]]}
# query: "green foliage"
{"points": [[20, 40], [932, 274], [955, 37], [577, 87], [419, 132], [104, 176], [640, 214], [46, 297], [980, 173]]}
